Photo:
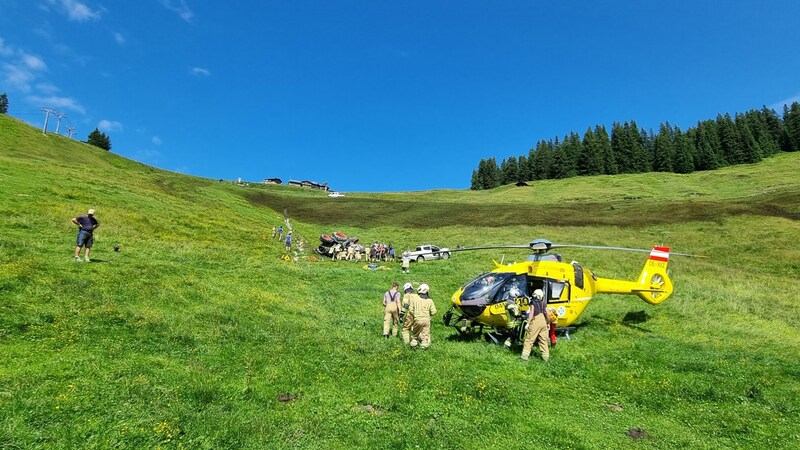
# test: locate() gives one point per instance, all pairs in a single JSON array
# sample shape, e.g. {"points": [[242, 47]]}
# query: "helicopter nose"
{"points": [[472, 308]]}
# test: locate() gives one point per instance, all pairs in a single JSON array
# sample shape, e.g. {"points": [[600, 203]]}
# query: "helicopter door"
{"points": [[553, 290]]}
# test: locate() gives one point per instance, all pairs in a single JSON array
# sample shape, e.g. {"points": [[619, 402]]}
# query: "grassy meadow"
{"points": [[199, 334]]}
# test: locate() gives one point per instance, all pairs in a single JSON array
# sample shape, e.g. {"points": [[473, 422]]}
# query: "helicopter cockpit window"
{"points": [[485, 286], [556, 288], [515, 287]]}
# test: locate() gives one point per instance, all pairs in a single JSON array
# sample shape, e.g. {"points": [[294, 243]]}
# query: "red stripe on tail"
{"points": [[659, 253]]}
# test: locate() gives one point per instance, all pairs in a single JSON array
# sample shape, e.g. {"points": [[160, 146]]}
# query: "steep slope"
{"points": [[198, 334]]}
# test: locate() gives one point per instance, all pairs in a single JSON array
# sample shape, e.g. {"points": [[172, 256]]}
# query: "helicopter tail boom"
{"points": [[653, 285]]}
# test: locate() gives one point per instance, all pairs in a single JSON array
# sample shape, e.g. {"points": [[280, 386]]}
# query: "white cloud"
{"points": [[157, 140], [147, 156], [17, 77], [4, 49], [199, 71], [33, 62], [180, 8], [58, 103], [109, 125], [75, 10], [119, 38], [778, 106], [20, 74], [47, 88]]}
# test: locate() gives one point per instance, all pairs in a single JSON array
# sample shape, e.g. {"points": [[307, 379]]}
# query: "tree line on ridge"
{"points": [[742, 139]]}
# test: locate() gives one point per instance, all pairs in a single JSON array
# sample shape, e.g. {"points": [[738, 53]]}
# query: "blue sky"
{"points": [[383, 95]]}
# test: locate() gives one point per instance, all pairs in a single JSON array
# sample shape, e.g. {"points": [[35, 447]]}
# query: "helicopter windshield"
{"points": [[493, 287]]}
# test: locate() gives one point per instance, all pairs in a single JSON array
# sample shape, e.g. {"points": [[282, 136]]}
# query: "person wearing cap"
{"points": [[409, 296], [391, 311], [537, 328], [87, 223], [421, 312]]}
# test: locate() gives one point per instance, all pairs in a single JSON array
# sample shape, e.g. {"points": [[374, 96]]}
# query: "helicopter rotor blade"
{"points": [[624, 249], [543, 246]]}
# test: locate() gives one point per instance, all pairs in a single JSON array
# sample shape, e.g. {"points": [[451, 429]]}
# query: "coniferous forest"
{"points": [[626, 148]]}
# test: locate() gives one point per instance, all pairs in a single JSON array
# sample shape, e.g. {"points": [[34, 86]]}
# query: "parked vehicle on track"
{"points": [[429, 252]]}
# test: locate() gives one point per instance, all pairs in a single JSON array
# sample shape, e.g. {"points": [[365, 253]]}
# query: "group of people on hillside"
{"points": [[278, 234], [411, 309]]}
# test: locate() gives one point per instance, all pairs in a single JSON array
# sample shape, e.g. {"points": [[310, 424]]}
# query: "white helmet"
{"points": [[538, 294], [408, 286], [423, 288], [513, 292]]}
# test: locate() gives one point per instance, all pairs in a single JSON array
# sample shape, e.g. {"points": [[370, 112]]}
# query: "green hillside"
{"points": [[199, 334]]}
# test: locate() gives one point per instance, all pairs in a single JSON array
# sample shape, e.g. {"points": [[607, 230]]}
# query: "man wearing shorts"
{"points": [[85, 239]]}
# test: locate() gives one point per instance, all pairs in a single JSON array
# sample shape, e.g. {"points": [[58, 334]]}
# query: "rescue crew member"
{"points": [[513, 313], [391, 311], [408, 296], [421, 311], [537, 329]]}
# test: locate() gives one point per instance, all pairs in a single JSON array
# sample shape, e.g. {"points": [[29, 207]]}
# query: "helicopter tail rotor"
{"points": [[653, 285], [656, 285]]}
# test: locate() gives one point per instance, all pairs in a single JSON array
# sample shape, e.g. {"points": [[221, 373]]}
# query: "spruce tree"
{"points": [[622, 147], [641, 154], [775, 127], [663, 151], [683, 152], [606, 152], [709, 148], [729, 140], [509, 169], [475, 184], [543, 160], [791, 123], [751, 152], [523, 170], [3, 103], [492, 174], [590, 161], [99, 139]]}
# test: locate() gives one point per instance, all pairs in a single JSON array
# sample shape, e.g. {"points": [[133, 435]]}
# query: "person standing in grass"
{"points": [[280, 232], [87, 224], [391, 311], [537, 329], [406, 261], [289, 241], [274, 232], [421, 311], [405, 318]]}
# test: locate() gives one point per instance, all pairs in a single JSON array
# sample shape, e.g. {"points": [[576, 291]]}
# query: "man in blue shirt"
{"points": [[289, 241], [85, 239]]}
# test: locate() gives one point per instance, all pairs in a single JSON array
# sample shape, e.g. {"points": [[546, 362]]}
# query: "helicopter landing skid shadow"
{"points": [[630, 320], [464, 337]]}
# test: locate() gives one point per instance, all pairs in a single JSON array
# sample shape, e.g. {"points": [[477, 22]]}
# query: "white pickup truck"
{"points": [[428, 252]]}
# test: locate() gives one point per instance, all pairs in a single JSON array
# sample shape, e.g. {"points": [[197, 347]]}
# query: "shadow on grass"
{"points": [[464, 337], [629, 321]]}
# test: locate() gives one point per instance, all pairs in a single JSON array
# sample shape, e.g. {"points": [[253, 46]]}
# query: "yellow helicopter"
{"points": [[486, 300]]}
